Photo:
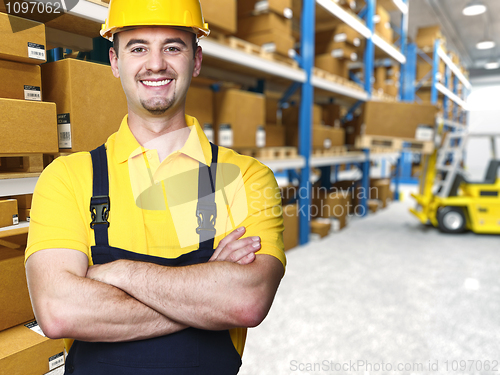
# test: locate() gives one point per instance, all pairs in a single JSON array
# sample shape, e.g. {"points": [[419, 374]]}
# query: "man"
{"points": [[137, 283]]}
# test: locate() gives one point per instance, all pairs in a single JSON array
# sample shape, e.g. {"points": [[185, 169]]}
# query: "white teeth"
{"points": [[157, 83]]}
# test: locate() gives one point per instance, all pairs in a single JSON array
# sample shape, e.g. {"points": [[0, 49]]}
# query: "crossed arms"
{"points": [[127, 300]]}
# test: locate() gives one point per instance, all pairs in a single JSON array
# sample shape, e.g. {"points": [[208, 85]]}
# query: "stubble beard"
{"points": [[157, 106]]}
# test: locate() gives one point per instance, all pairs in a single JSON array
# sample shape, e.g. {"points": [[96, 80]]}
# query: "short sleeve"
{"points": [[58, 220]]}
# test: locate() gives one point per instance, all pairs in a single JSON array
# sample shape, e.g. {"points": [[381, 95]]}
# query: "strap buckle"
{"points": [[206, 214], [99, 210]]}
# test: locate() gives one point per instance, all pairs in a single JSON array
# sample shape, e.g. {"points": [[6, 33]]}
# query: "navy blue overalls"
{"points": [[191, 351]]}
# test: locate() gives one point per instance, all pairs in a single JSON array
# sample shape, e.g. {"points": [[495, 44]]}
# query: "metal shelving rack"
{"points": [[300, 77], [366, 29]]}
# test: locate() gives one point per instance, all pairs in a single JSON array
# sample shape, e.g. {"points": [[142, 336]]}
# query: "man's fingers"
{"points": [[237, 250], [233, 236]]}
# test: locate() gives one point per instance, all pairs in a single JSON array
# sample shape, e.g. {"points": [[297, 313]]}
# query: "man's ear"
{"points": [[198, 57], [113, 59]]}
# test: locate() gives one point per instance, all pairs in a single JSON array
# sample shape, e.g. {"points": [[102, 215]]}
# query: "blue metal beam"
{"points": [[369, 57], [435, 67], [289, 93], [408, 74], [305, 116]]}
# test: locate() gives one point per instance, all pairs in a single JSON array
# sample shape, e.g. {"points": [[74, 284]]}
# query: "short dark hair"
{"points": [[116, 44]]}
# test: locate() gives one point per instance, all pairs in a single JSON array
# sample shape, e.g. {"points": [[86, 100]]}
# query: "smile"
{"points": [[157, 83]]}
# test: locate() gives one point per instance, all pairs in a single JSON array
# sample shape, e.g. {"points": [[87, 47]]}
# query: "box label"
{"points": [[64, 130], [56, 361], [35, 328], [36, 51], [269, 47], [261, 6], [225, 136], [424, 133], [260, 137], [57, 371], [32, 93], [15, 219], [340, 37], [327, 143], [288, 13], [209, 132]]}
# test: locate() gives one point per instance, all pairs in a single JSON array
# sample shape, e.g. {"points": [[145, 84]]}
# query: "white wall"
{"points": [[484, 117]]}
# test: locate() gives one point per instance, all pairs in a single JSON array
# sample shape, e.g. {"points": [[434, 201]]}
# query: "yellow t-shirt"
{"points": [[153, 204]]}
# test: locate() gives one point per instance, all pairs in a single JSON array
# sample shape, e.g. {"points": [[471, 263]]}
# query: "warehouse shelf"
{"points": [[339, 88], [255, 63], [280, 165], [14, 230], [455, 69], [350, 157], [448, 93], [17, 186], [90, 11], [357, 24]]}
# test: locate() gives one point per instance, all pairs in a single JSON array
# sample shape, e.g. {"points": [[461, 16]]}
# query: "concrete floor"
{"points": [[386, 295]]}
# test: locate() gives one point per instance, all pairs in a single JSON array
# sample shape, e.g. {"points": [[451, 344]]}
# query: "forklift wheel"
{"points": [[451, 220]]}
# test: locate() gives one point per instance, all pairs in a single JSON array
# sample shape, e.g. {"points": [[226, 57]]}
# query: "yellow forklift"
{"points": [[447, 200]]}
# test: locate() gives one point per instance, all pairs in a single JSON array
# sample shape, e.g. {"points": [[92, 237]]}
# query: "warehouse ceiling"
{"points": [[462, 32]]}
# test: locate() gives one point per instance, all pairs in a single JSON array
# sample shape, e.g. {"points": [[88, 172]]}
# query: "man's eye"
{"points": [[172, 49], [138, 49]]}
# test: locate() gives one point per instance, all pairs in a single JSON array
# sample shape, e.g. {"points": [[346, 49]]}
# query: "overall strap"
{"points": [[99, 203], [206, 209]]}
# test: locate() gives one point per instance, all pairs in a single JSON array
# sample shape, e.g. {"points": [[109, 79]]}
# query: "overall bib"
{"points": [[191, 351]]}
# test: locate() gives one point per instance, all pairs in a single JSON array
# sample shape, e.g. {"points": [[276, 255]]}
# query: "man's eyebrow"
{"points": [[135, 41], [175, 40], [166, 41]]}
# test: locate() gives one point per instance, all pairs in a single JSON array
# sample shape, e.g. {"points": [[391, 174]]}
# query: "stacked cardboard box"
{"points": [[291, 225], [23, 347], [84, 118], [203, 113], [275, 131], [383, 24], [391, 120], [220, 15], [27, 125], [380, 189], [323, 136], [336, 48], [331, 203], [239, 119], [427, 36], [387, 80], [8, 213], [268, 24]]}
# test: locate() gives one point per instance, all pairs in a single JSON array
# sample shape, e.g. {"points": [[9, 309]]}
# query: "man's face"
{"points": [[155, 65]]}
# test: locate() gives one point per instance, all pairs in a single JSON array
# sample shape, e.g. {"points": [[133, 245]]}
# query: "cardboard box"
{"points": [[90, 102], [395, 119], [424, 70], [200, 104], [345, 33], [272, 103], [252, 7], [15, 304], [339, 50], [331, 115], [220, 15], [24, 214], [238, 114], [262, 23], [321, 227], [8, 213], [380, 189], [426, 36], [275, 135], [20, 81], [291, 224], [28, 127], [380, 78], [22, 40], [24, 201], [332, 65], [272, 41], [330, 203], [317, 114], [24, 351], [323, 137]]}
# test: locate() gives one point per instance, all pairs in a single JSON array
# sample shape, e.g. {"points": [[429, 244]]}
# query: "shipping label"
{"points": [[64, 130], [225, 136], [32, 93], [36, 51]]}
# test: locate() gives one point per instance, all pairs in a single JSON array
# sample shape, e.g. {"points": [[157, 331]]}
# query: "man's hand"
{"points": [[232, 249]]}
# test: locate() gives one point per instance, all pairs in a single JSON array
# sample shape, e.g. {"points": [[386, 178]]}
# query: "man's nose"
{"points": [[156, 61]]}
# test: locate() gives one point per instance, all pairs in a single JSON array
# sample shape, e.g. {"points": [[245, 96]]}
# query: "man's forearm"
{"points": [[215, 295], [69, 305]]}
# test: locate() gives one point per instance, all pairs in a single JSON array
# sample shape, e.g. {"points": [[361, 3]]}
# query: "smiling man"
{"points": [[166, 279]]}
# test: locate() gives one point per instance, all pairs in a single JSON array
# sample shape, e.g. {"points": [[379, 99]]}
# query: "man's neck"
{"points": [[166, 134]]}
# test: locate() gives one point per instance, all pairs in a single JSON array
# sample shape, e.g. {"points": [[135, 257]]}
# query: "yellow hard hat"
{"points": [[130, 13]]}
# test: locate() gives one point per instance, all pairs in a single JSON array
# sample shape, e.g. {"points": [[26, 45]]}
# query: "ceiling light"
{"points": [[473, 8], [485, 44], [492, 65]]}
